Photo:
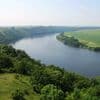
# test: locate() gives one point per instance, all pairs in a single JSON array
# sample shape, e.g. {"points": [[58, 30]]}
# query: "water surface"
{"points": [[51, 51]]}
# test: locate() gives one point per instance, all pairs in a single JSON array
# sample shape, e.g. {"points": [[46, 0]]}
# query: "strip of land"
{"points": [[83, 39]]}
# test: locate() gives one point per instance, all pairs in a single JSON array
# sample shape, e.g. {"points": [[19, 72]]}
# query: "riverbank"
{"points": [[88, 39]]}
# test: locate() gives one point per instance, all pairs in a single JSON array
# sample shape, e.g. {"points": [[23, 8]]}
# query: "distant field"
{"points": [[90, 38]]}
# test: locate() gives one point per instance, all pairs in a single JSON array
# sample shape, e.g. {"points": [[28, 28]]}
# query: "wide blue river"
{"points": [[50, 51]]}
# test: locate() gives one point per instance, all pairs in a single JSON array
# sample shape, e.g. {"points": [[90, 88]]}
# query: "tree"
{"points": [[5, 62], [74, 95], [24, 67], [50, 92], [18, 95]]}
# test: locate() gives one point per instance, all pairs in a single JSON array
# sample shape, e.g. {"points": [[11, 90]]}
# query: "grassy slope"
{"points": [[90, 38], [9, 83]]}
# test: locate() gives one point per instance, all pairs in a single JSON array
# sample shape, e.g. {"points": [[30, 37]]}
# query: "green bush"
{"points": [[5, 62], [18, 95], [50, 92], [23, 67]]}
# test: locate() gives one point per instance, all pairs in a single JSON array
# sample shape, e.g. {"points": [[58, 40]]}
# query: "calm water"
{"points": [[51, 51]]}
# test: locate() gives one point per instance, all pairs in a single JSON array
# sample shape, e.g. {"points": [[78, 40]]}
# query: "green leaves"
{"points": [[5, 62], [18, 95], [50, 92]]}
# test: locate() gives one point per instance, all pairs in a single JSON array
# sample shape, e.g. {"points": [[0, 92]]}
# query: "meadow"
{"points": [[90, 38]]}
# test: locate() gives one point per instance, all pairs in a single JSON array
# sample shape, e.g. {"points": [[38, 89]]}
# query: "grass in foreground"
{"points": [[9, 83]]}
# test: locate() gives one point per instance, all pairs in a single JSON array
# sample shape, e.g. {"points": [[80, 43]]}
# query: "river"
{"points": [[51, 51]]}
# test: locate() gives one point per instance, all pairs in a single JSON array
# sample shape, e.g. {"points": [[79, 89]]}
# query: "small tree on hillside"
{"points": [[50, 92], [18, 95]]}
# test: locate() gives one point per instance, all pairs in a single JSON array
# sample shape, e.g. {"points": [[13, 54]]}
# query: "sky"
{"points": [[50, 12]]}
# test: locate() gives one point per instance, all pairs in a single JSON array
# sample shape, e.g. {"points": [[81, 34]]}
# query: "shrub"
{"points": [[5, 62], [50, 92], [18, 95]]}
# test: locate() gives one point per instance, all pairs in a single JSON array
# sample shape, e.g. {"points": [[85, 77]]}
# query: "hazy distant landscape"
{"points": [[11, 34], [49, 50]]}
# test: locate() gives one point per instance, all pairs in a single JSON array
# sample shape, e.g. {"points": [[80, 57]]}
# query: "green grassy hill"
{"points": [[9, 83]]}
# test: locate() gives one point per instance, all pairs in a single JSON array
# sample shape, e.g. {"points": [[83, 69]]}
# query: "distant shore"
{"points": [[70, 40]]}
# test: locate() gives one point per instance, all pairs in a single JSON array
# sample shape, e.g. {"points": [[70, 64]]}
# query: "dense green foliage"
{"points": [[18, 95], [69, 40], [31, 79], [50, 92], [86, 39]]}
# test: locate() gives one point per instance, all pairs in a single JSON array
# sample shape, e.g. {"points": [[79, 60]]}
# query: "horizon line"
{"points": [[50, 26]]}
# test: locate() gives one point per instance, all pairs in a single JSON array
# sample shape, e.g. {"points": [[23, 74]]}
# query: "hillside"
{"points": [[23, 78], [11, 82], [85, 39]]}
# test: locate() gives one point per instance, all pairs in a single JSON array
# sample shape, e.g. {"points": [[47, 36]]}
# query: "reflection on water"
{"points": [[51, 51]]}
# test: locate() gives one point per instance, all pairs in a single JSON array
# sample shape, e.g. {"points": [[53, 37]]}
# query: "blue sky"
{"points": [[50, 12]]}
